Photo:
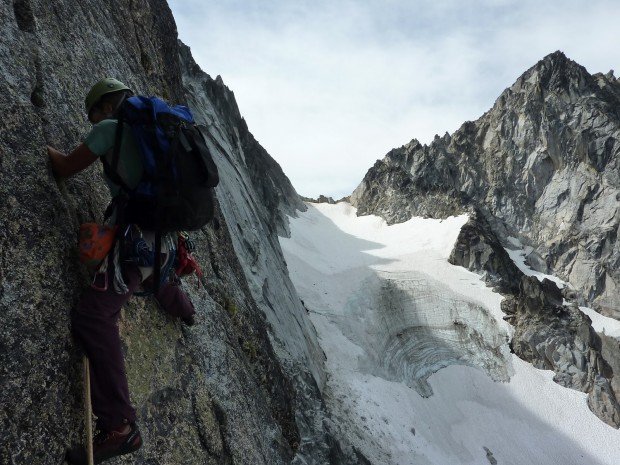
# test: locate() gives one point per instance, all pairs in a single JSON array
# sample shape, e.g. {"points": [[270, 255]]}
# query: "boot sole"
{"points": [[128, 449]]}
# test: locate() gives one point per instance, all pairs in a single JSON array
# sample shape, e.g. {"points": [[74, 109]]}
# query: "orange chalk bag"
{"points": [[95, 242]]}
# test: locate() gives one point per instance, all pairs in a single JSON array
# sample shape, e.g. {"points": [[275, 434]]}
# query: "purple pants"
{"points": [[95, 327]]}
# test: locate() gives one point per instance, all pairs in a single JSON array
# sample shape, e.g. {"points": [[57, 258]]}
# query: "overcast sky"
{"points": [[328, 87]]}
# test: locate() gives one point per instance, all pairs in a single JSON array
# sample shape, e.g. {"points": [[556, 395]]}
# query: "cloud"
{"points": [[329, 87]]}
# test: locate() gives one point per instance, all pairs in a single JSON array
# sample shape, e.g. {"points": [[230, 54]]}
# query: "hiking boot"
{"points": [[189, 320], [107, 444]]}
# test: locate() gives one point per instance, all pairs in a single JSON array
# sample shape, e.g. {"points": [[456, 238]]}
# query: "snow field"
{"points": [[365, 283]]}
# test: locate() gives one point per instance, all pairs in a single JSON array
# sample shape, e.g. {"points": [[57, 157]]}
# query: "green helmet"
{"points": [[105, 86]]}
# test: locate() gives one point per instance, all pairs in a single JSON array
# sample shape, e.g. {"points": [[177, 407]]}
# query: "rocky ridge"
{"points": [[543, 163], [320, 199], [541, 166]]}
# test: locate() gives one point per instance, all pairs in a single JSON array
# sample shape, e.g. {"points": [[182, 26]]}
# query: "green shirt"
{"points": [[100, 141]]}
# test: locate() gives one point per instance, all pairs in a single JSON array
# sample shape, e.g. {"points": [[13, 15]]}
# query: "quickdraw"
{"points": [[186, 264]]}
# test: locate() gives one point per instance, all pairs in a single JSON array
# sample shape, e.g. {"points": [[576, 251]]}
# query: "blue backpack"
{"points": [[176, 189]]}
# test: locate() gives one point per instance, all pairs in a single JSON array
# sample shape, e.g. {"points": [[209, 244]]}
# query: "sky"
{"points": [[329, 87]]}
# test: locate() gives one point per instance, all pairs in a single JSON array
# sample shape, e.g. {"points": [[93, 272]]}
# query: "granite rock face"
{"points": [[549, 332], [478, 249], [559, 337], [243, 384], [544, 162], [255, 196]]}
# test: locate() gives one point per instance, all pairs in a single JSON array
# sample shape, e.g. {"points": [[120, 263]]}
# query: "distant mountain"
{"points": [[539, 171], [542, 165]]}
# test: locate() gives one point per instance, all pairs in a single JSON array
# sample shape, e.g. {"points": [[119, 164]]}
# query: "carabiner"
{"points": [[105, 282]]}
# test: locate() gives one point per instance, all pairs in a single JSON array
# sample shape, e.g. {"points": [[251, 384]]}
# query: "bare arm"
{"points": [[67, 165]]}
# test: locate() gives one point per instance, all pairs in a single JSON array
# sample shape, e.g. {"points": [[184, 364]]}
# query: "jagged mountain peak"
{"points": [[555, 59], [543, 162], [551, 86], [557, 64], [554, 73]]}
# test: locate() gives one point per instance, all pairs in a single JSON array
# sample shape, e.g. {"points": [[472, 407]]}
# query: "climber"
{"points": [[94, 321]]}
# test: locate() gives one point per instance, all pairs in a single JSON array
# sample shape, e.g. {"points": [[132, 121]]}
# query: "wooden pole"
{"points": [[88, 414]]}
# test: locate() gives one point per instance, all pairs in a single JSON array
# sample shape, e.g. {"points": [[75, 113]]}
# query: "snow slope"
{"points": [[519, 256], [601, 324], [419, 370]]}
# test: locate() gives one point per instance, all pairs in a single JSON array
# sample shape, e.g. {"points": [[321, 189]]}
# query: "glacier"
{"points": [[419, 369]]}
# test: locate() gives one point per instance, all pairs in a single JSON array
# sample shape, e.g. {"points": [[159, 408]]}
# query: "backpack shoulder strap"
{"points": [[157, 263], [111, 169]]}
